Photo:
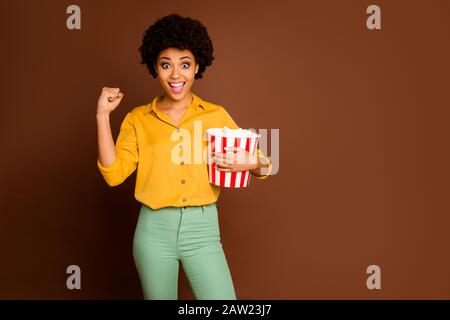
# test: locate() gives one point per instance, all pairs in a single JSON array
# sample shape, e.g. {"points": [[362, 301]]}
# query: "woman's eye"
{"points": [[184, 65]]}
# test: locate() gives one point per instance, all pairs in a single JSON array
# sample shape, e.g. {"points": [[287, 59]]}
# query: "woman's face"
{"points": [[176, 72]]}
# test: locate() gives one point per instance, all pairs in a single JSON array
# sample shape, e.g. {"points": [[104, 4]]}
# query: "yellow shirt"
{"points": [[150, 141]]}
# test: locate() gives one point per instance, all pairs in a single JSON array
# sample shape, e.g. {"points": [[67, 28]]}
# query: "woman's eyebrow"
{"points": [[179, 58]]}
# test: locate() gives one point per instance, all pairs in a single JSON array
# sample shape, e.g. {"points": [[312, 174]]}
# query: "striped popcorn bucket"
{"points": [[217, 143]]}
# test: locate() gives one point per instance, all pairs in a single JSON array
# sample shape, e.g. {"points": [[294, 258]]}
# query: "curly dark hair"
{"points": [[175, 31]]}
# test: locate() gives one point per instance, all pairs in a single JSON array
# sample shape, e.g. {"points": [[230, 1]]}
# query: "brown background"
{"points": [[364, 146]]}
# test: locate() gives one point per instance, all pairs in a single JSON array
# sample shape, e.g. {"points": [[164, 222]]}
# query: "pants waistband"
{"points": [[183, 208], [202, 206]]}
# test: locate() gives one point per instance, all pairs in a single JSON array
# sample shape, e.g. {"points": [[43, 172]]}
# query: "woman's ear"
{"points": [[196, 69]]}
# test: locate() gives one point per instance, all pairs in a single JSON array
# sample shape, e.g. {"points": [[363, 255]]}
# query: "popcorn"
{"points": [[218, 140], [236, 133]]}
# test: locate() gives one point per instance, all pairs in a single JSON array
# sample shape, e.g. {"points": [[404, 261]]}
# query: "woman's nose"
{"points": [[174, 73]]}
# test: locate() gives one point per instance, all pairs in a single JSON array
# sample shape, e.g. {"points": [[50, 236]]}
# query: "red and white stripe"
{"points": [[238, 179]]}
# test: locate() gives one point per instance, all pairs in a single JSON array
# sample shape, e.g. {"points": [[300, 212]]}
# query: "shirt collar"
{"points": [[197, 104]]}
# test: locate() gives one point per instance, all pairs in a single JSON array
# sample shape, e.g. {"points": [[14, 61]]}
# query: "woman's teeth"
{"points": [[176, 85]]}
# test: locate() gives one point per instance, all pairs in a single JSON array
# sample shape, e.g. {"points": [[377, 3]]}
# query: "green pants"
{"points": [[166, 236]]}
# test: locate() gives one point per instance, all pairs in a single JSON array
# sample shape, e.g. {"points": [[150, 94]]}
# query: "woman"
{"points": [[178, 219]]}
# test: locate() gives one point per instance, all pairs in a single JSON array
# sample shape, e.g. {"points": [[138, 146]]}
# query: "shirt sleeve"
{"points": [[127, 155], [230, 123], [227, 120]]}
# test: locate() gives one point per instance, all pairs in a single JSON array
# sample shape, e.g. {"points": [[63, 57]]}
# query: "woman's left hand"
{"points": [[235, 159]]}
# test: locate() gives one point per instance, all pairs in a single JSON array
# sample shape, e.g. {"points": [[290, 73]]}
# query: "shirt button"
{"points": [[178, 129], [182, 162], [184, 199], [183, 181]]}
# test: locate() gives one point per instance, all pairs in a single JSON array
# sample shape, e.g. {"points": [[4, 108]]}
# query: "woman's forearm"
{"points": [[106, 147], [261, 168]]}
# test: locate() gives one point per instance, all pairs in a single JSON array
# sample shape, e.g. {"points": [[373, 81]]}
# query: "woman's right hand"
{"points": [[109, 100]]}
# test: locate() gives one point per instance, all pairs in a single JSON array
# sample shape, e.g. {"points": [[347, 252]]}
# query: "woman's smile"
{"points": [[177, 87]]}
